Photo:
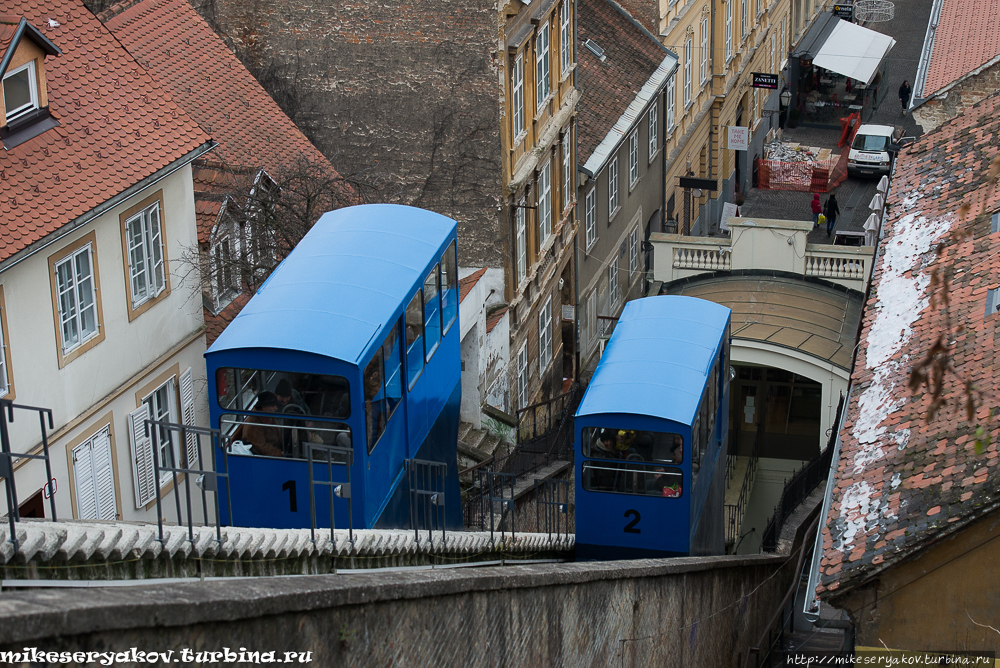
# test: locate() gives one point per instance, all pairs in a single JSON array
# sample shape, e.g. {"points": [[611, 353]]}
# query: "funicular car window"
{"points": [[278, 435], [375, 414], [293, 408], [633, 478], [633, 445]]}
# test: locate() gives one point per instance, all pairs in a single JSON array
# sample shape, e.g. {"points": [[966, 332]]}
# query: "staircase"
{"points": [[475, 446]]}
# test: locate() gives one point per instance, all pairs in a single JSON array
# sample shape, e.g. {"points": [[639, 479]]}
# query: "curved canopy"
{"points": [[658, 358], [342, 283]]}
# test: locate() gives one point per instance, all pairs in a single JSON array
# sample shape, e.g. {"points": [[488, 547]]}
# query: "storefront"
{"points": [[836, 70]]}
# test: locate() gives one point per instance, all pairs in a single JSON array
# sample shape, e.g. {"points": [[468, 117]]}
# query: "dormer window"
{"points": [[20, 91]]}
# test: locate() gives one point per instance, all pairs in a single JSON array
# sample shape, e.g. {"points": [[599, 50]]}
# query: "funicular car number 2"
{"points": [[630, 527]]}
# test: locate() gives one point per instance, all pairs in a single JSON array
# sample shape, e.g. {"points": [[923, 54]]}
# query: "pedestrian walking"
{"points": [[817, 209], [904, 95], [831, 211]]}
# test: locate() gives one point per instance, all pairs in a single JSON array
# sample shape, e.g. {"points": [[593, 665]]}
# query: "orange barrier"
{"points": [[821, 176]]}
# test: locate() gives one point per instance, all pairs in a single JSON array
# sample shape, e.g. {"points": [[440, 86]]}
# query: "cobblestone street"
{"points": [[853, 195]]}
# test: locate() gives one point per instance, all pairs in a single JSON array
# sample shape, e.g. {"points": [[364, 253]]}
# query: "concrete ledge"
{"points": [[46, 613]]}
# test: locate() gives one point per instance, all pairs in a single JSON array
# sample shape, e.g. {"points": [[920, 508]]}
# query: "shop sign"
{"points": [[739, 138], [765, 80], [845, 12]]}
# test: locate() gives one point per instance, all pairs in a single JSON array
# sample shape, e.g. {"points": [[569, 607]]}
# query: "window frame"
{"points": [[614, 202], [590, 216], [135, 309], [435, 275], [633, 249], [543, 70], [567, 153], [518, 128], [671, 104], [545, 355], [744, 23], [34, 102], [633, 158], [653, 129], [411, 376], [7, 376], [565, 38], [688, 49], [377, 362], [168, 383], [449, 261], [729, 30], [520, 242], [521, 369], [544, 217], [704, 50], [613, 282], [89, 241]]}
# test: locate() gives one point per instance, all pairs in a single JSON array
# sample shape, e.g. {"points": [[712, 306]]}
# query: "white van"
{"points": [[873, 150]]}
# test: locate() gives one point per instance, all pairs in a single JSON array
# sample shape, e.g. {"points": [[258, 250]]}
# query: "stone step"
{"points": [[463, 431], [490, 444]]}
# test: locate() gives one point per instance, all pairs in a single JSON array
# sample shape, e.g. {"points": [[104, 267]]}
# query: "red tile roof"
{"points": [[187, 58], [215, 324], [494, 319], [117, 127], [609, 87], [967, 36], [901, 482], [466, 284]]}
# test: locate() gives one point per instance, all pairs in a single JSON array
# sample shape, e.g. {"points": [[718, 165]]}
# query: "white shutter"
{"points": [[187, 416], [104, 477], [143, 474], [83, 471]]}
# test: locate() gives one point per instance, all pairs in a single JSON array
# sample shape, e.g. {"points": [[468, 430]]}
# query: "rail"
{"points": [[734, 513], [7, 457], [539, 420]]}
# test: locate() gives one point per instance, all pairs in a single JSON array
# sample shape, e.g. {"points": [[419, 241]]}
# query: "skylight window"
{"points": [[20, 91], [595, 49]]}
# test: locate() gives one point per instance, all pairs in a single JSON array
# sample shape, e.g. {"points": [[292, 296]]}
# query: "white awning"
{"points": [[853, 51]]}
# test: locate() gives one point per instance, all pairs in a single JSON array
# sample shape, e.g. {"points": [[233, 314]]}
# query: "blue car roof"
{"points": [[337, 289], [658, 359]]}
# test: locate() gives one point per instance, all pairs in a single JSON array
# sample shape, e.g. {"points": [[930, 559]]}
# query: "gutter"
{"points": [[106, 206], [920, 81]]}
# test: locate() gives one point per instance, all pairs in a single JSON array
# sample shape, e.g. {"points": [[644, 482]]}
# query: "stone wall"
{"points": [[956, 97], [403, 97], [671, 612]]}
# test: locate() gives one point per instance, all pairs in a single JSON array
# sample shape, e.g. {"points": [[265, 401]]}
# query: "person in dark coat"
{"points": [[831, 211], [817, 208], [904, 95]]}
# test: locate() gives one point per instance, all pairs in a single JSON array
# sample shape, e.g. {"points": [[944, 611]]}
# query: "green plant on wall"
{"points": [[499, 429]]}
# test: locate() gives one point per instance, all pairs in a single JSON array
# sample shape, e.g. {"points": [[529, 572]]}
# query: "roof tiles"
{"points": [[117, 127], [632, 56], [187, 58], [902, 482], [967, 36]]}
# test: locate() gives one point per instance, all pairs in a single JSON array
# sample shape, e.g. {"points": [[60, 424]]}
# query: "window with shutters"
{"points": [[671, 102], [592, 316], [94, 479], [521, 243], [6, 376], [613, 281], [633, 250], [744, 25], [147, 278], [545, 336], [162, 407], [77, 310], [155, 403], [729, 30]]}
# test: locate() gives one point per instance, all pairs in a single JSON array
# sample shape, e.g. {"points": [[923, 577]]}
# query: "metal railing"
{"points": [[207, 480], [496, 498], [538, 420], [7, 458], [425, 483], [798, 488], [734, 513], [332, 455], [552, 508], [606, 326]]}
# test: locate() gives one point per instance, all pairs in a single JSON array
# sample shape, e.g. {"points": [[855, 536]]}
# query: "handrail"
{"points": [[792, 589], [735, 519]]}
